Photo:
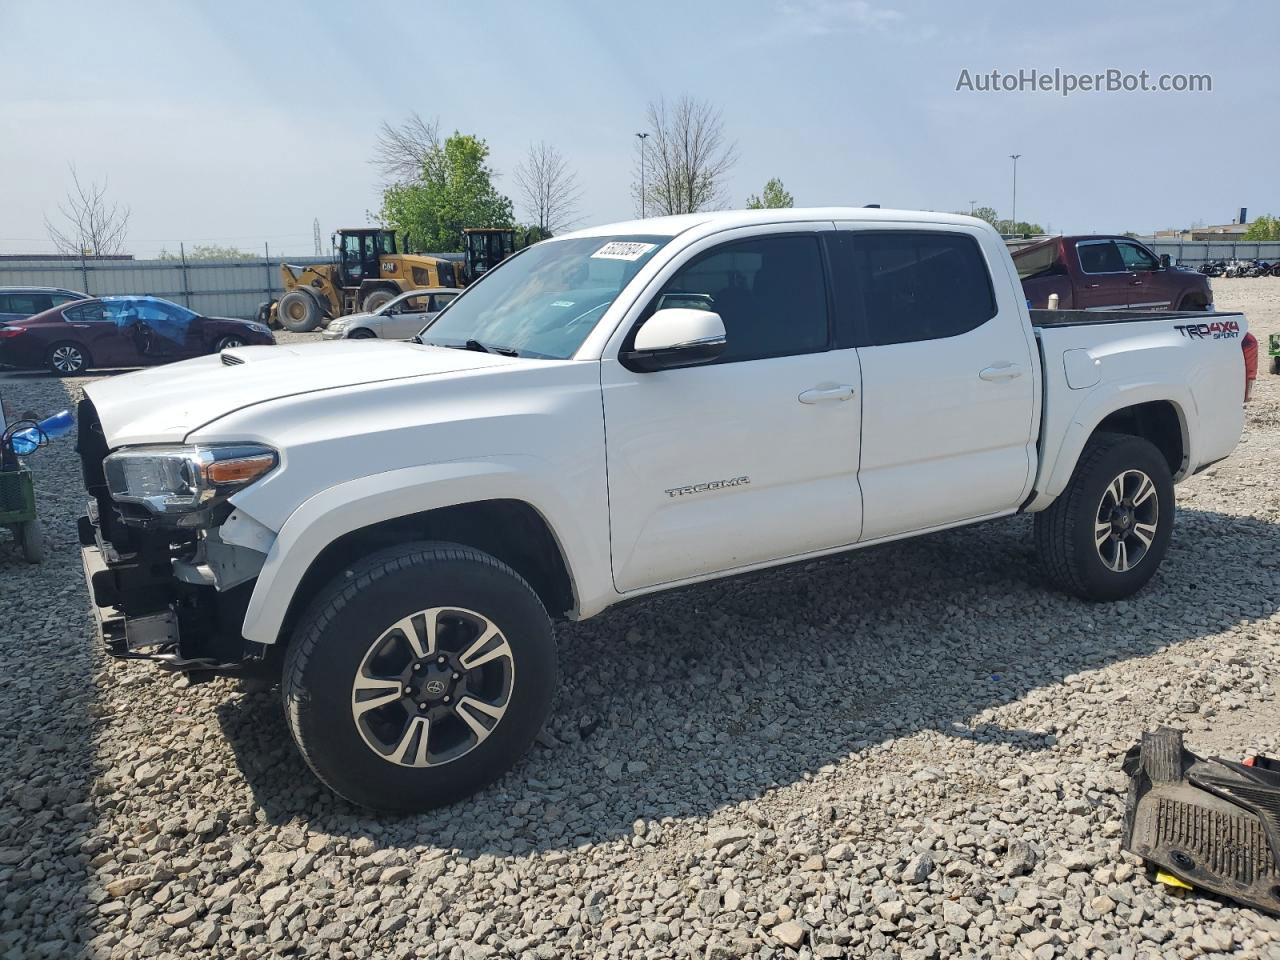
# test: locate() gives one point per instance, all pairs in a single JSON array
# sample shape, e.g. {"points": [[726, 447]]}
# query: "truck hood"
{"points": [[165, 404]]}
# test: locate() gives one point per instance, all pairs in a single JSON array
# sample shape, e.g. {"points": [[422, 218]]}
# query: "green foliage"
{"points": [[983, 213], [455, 190], [774, 196], [1003, 226], [1019, 228], [208, 251], [1264, 228]]}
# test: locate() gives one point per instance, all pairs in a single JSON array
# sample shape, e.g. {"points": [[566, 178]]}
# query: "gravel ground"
{"points": [[910, 751]]}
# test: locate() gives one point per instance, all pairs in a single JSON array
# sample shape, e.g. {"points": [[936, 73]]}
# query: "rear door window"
{"points": [[906, 286], [1100, 256], [25, 304], [88, 313]]}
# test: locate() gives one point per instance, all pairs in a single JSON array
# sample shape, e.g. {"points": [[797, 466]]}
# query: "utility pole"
{"points": [[971, 203], [1013, 216], [642, 137], [315, 235]]}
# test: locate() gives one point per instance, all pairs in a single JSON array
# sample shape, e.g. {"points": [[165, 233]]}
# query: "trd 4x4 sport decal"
{"points": [[1218, 330]]}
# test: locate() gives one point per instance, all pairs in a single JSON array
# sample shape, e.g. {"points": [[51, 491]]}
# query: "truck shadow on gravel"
{"points": [[690, 702]]}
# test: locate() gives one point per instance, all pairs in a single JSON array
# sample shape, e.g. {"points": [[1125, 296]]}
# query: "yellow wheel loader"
{"points": [[366, 273]]}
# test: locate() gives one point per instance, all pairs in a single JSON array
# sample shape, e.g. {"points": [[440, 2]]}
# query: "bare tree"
{"points": [[548, 189], [94, 227], [402, 150], [686, 158]]}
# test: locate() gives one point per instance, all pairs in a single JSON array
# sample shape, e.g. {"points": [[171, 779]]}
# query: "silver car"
{"points": [[398, 319]]}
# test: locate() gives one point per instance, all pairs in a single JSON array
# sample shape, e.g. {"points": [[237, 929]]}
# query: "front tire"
{"points": [[67, 359], [228, 343], [419, 676], [299, 312], [361, 333], [1106, 534]]}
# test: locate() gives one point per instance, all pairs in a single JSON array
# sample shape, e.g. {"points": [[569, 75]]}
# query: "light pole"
{"points": [[642, 137], [1013, 215]]}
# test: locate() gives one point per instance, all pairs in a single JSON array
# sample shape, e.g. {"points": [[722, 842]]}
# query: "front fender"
{"points": [[365, 501]]}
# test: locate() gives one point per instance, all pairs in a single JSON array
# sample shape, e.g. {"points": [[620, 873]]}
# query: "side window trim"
{"points": [[815, 234], [1098, 243]]}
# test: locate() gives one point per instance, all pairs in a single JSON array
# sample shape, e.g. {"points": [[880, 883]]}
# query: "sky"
{"points": [[241, 123]]}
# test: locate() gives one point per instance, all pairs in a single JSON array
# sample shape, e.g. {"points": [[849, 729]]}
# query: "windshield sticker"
{"points": [[562, 303], [623, 250]]}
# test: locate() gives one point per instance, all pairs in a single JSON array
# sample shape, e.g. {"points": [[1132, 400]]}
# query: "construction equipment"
{"points": [[368, 270]]}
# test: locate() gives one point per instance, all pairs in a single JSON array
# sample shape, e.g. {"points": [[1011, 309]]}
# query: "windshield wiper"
{"points": [[490, 348]]}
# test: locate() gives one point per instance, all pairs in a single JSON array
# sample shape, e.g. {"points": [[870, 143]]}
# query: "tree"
{"points": [[402, 150], [1264, 228], [773, 197], [548, 189], [685, 159], [94, 227], [208, 251], [1003, 226], [454, 189]]}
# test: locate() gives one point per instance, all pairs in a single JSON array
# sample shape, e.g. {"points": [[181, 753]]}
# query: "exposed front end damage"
{"points": [[172, 589]]}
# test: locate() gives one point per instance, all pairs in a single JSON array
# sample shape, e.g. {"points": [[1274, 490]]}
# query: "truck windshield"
{"points": [[543, 301]]}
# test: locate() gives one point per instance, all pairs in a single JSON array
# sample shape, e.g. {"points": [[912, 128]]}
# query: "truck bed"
{"points": [[1079, 318]]}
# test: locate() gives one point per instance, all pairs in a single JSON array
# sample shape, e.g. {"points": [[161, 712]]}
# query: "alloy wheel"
{"points": [[432, 687], [1125, 525], [68, 359]]}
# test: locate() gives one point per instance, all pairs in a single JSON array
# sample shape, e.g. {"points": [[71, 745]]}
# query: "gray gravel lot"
{"points": [[911, 751]]}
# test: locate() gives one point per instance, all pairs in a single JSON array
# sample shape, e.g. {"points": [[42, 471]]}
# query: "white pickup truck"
{"points": [[391, 528]]}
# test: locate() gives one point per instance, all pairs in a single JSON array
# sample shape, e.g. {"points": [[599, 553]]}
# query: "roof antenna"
{"points": [[869, 206]]}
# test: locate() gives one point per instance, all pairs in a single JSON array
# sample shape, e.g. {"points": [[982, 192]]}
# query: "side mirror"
{"points": [[675, 337], [1165, 261]]}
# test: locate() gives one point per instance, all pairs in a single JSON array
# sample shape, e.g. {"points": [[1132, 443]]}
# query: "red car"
{"points": [[120, 332], [1107, 273]]}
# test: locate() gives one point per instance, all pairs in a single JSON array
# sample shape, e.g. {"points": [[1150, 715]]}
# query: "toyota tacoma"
{"points": [[390, 530]]}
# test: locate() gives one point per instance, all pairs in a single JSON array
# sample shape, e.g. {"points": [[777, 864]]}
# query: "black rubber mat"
{"points": [[1212, 822]]}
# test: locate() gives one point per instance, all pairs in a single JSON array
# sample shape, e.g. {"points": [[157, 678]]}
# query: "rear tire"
{"points": [[376, 299], [422, 743], [299, 312], [1105, 535], [67, 359]]}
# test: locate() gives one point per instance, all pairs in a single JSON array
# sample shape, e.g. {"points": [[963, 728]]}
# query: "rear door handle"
{"points": [[844, 391], [1000, 372]]}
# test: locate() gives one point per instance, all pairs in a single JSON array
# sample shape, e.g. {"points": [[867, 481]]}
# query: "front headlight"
{"points": [[258, 327], [175, 480]]}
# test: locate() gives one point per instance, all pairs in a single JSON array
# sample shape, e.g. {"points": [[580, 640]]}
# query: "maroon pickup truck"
{"points": [[1107, 273]]}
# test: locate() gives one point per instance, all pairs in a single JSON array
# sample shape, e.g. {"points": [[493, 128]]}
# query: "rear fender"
{"points": [[1056, 467]]}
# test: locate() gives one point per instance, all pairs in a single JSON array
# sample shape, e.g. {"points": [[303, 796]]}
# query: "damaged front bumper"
{"points": [[145, 611]]}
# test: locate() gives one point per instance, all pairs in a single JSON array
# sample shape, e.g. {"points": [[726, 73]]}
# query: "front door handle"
{"points": [[844, 391], [1001, 372]]}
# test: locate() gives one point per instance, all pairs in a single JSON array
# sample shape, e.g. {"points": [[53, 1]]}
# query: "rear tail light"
{"points": [[7, 332], [1249, 344]]}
